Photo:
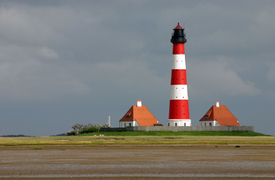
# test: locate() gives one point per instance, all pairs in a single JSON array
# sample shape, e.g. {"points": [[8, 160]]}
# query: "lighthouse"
{"points": [[179, 106]]}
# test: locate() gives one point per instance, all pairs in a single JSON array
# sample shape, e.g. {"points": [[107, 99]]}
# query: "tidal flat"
{"points": [[137, 162]]}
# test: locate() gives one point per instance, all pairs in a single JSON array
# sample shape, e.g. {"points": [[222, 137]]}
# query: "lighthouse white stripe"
{"points": [[180, 122], [179, 92], [178, 61]]}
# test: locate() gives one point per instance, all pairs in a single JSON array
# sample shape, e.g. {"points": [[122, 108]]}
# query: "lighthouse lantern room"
{"points": [[179, 106]]}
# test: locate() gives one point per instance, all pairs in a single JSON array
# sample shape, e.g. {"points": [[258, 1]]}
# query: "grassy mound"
{"points": [[180, 133]]}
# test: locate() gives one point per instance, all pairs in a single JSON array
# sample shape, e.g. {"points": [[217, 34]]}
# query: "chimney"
{"points": [[139, 104], [217, 104]]}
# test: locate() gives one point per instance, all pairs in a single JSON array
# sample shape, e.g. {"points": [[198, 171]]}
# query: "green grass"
{"points": [[135, 140], [180, 133], [143, 138]]}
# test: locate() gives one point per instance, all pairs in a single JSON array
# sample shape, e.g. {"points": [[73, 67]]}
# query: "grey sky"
{"points": [[67, 62]]}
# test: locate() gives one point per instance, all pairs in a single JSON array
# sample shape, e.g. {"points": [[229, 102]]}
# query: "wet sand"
{"points": [[137, 162]]}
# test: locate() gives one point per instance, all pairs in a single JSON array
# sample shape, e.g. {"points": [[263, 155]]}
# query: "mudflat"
{"points": [[137, 162]]}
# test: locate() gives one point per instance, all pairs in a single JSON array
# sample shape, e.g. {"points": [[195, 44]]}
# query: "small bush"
{"points": [[90, 130], [71, 133], [83, 129]]}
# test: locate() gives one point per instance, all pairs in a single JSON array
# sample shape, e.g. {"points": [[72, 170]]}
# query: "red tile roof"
{"points": [[222, 115], [140, 114]]}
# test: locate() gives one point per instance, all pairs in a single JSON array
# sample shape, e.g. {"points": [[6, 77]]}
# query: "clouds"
{"points": [[21, 27], [48, 53], [271, 72], [40, 75], [133, 77], [229, 29], [95, 54], [28, 75], [30, 36], [216, 77], [44, 44], [264, 26]]}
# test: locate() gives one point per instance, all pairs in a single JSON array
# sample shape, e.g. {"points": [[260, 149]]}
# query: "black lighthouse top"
{"points": [[178, 35]]}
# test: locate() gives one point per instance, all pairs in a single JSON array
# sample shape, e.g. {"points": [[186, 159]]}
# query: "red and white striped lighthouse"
{"points": [[179, 108]]}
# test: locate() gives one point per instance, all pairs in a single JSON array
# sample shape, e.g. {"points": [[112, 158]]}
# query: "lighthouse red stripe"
{"points": [[179, 109], [178, 77], [178, 48]]}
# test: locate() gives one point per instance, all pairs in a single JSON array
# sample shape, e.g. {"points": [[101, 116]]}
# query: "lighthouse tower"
{"points": [[179, 108]]}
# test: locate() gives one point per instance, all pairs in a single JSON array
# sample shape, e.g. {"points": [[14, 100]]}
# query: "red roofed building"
{"points": [[138, 115], [219, 115]]}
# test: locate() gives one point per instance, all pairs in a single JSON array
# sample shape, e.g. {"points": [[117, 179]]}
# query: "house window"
{"points": [[204, 124], [210, 124], [124, 124], [176, 124], [206, 116], [184, 124], [168, 124], [130, 124]]}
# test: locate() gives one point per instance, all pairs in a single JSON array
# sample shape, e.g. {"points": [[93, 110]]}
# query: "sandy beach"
{"points": [[137, 162]]}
